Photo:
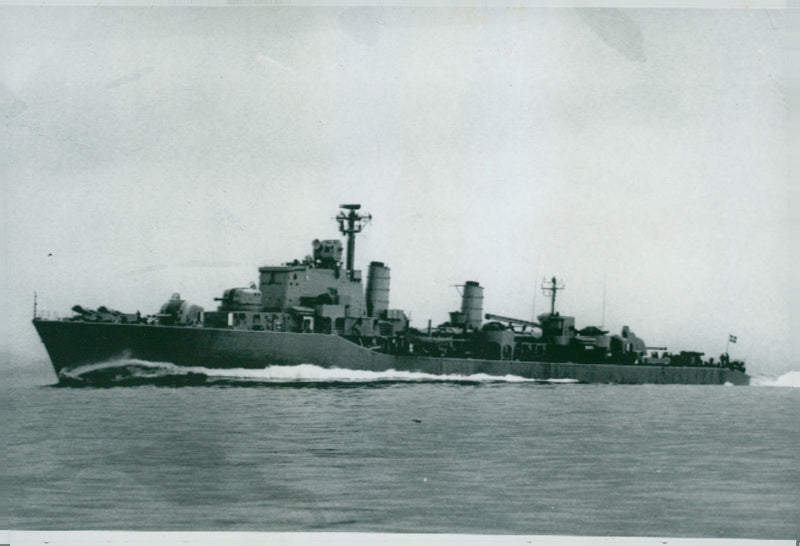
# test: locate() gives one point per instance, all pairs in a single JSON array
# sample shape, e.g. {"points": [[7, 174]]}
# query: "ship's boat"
{"points": [[317, 311]]}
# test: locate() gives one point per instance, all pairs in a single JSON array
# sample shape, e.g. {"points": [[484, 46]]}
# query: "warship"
{"points": [[318, 311]]}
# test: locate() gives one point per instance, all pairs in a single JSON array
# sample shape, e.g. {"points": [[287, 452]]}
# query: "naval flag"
{"points": [[731, 339]]}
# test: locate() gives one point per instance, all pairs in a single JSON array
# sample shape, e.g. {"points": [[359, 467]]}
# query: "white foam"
{"points": [[789, 379], [311, 372], [301, 372]]}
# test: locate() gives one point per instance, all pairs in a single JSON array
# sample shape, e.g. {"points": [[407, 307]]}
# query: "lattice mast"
{"points": [[350, 223], [551, 289]]}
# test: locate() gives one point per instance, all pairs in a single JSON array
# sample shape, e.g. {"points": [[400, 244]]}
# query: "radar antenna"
{"points": [[351, 223], [550, 289]]}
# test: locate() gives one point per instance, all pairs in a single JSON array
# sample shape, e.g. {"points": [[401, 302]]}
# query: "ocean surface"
{"points": [[132, 445]]}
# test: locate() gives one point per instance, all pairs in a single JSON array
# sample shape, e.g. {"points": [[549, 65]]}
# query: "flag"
{"points": [[731, 338]]}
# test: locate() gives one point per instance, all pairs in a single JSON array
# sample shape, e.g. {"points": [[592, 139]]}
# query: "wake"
{"points": [[789, 379], [135, 372]]}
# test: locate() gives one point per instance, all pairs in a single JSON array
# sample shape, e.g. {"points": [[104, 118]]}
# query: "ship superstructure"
{"points": [[320, 294]]}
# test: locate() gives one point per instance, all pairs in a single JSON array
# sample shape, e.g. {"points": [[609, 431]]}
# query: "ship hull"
{"points": [[74, 344]]}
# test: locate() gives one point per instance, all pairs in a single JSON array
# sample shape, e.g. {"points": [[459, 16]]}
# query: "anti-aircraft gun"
{"points": [[527, 345]]}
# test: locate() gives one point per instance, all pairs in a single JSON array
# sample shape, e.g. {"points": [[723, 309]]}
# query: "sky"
{"points": [[640, 155]]}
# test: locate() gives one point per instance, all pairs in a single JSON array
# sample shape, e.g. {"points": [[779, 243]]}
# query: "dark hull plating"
{"points": [[74, 344]]}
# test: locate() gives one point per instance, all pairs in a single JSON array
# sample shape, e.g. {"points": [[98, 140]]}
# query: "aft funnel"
{"points": [[472, 304]]}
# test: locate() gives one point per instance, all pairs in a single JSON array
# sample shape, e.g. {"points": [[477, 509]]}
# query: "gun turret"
{"points": [[81, 311]]}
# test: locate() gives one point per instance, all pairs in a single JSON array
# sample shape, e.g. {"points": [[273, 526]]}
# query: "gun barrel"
{"points": [[501, 318]]}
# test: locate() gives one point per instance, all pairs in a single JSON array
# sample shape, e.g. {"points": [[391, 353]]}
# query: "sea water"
{"points": [[139, 446]]}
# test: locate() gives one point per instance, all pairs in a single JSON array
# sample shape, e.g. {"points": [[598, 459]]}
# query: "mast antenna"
{"points": [[605, 282], [351, 223], [550, 289], [538, 261]]}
